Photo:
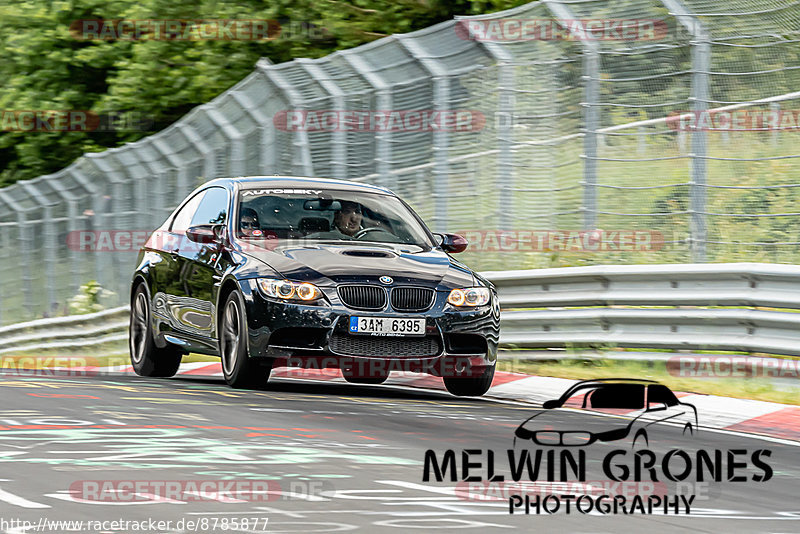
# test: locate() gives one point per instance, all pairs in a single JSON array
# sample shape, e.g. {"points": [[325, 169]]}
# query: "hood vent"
{"points": [[368, 253]]}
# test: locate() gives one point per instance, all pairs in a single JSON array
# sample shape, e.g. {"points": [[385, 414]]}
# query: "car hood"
{"points": [[327, 264], [573, 420]]}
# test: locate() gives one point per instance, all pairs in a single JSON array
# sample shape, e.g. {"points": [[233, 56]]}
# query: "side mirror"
{"points": [[549, 405], [204, 234], [656, 406], [453, 243]]}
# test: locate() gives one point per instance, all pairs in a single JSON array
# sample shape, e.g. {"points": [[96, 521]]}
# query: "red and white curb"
{"points": [[781, 421]]}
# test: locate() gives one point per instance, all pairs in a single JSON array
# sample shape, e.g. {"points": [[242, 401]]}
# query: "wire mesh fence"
{"points": [[558, 133]]}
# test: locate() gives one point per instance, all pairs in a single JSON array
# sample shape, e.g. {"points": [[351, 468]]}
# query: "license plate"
{"points": [[387, 326]]}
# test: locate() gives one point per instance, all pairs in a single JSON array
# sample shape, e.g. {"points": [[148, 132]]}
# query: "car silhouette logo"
{"points": [[386, 279], [640, 408]]}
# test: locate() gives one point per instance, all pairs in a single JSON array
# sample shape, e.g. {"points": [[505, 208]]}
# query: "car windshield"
{"points": [[268, 216]]}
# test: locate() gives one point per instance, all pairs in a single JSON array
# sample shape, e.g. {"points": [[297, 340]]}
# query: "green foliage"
{"points": [[45, 68], [89, 299]]}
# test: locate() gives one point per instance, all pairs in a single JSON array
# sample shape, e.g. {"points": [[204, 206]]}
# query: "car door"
{"points": [[201, 266], [167, 287]]}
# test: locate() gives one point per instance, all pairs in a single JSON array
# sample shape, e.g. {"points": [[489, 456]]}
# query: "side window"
{"points": [[213, 209], [183, 218], [659, 394]]}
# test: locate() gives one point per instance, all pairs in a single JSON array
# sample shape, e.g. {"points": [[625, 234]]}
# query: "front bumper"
{"points": [[301, 335]]}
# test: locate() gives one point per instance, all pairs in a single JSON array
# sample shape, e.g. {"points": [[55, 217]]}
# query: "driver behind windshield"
{"points": [[248, 222], [347, 220]]}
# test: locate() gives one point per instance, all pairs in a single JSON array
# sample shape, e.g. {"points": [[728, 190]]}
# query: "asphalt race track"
{"points": [[324, 457]]}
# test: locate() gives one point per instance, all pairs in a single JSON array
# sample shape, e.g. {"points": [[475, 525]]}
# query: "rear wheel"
{"points": [[238, 369], [470, 386], [146, 358]]}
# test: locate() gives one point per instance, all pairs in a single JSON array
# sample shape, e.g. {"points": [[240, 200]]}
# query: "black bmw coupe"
{"points": [[280, 271]]}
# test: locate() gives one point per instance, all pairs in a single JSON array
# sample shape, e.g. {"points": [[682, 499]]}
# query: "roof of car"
{"points": [[299, 181], [608, 381], [618, 380]]}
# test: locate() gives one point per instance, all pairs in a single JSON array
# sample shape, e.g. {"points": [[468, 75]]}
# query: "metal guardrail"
{"points": [[71, 332], [749, 307]]}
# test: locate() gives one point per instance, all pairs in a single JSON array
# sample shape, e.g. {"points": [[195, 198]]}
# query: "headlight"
{"points": [[288, 290], [469, 296]]}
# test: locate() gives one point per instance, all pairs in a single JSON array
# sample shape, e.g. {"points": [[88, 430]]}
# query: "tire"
{"points": [[146, 358], [471, 386], [239, 370]]}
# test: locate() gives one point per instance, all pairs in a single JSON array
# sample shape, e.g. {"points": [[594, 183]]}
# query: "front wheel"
{"points": [[146, 358], [471, 386], [238, 369]]}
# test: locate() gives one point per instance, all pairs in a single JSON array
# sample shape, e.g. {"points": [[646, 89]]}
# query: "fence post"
{"points": [[339, 135], [591, 77], [775, 107], [504, 122], [383, 102], [48, 244], [591, 98], [701, 63], [236, 154], [303, 160], [267, 157], [24, 251], [441, 137]]}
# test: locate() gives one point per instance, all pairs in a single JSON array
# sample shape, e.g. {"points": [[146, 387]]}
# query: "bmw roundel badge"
{"points": [[386, 279]]}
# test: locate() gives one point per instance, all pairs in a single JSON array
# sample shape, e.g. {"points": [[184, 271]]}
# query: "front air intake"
{"points": [[363, 297], [412, 299]]}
